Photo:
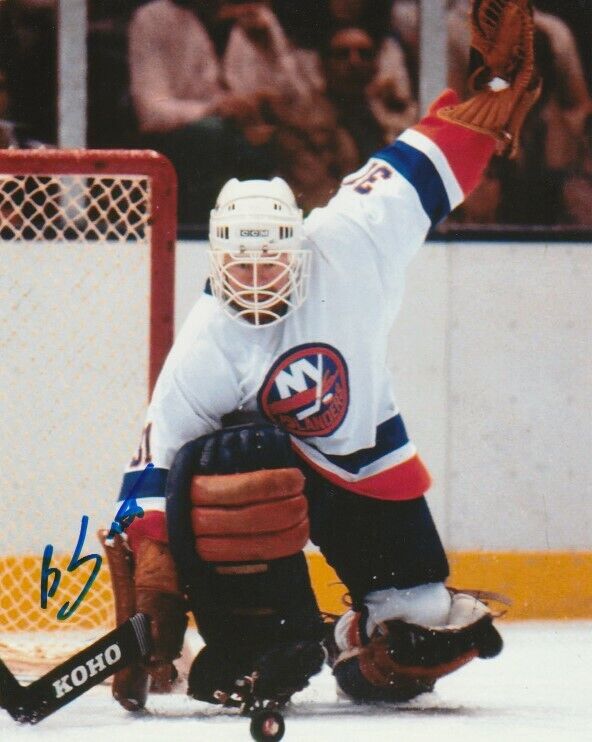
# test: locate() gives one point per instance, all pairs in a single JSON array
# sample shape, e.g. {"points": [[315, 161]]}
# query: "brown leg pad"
{"points": [[130, 685], [121, 569]]}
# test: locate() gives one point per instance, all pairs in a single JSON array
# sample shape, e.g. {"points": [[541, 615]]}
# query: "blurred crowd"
{"points": [[307, 90]]}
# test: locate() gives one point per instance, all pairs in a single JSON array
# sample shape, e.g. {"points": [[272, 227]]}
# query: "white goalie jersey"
{"points": [[321, 373]]}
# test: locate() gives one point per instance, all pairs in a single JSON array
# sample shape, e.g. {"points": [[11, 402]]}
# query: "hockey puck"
{"points": [[267, 725]]}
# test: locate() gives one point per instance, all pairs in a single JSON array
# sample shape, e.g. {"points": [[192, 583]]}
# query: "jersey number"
{"points": [[365, 183], [143, 456]]}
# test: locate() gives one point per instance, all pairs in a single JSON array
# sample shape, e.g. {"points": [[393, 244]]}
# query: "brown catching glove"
{"points": [[147, 581], [504, 80]]}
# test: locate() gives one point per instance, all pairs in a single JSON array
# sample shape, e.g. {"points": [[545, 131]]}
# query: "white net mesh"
{"points": [[75, 298], [73, 207]]}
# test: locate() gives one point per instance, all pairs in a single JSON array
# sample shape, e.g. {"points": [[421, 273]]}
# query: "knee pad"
{"points": [[237, 523]]}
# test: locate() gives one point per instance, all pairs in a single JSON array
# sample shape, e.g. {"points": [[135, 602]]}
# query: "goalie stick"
{"points": [[127, 643]]}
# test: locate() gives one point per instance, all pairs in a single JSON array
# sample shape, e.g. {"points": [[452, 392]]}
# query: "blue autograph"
{"points": [[46, 572], [128, 511]]}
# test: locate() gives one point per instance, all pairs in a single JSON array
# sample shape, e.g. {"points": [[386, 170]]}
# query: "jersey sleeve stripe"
{"points": [[419, 170], [152, 503], [148, 505], [466, 152], [424, 144], [153, 484]]}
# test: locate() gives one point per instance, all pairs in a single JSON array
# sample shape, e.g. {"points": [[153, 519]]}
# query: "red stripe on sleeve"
{"points": [[151, 525], [468, 152]]}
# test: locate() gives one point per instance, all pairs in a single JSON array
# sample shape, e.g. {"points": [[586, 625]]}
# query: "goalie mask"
{"points": [[259, 266]]}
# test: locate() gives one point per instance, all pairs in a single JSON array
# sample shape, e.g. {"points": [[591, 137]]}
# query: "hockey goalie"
{"points": [[291, 332]]}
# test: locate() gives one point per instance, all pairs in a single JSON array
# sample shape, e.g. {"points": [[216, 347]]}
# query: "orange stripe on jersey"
{"points": [[406, 481]]}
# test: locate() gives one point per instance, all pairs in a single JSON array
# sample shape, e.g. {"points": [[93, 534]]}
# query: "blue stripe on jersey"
{"points": [[153, 484], [420, 171], [390, 435], [208, 287]]}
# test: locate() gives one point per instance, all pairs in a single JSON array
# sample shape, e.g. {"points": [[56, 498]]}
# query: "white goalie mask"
{"points": [[259, 267]]}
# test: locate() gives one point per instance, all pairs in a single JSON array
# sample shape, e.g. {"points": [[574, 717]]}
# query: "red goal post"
{"points": [[87, 248]]}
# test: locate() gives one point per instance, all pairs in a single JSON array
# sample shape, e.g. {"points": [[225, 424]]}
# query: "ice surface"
{"points": [[539, 688]]}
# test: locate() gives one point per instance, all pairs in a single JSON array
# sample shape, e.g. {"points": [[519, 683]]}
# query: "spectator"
{"points": [[367, 106], [259, 59], [534, 186], [350, 68], [175, 75], [404, 24], [111, 122], [393, 110], [6, 127], [577, 188], [183, 108], [29, 31], [578, 16], [12, 135], [314, 153], [566, 91], [565, 94], [390, 94], [531, 189], [371, 15], [306, 22]]}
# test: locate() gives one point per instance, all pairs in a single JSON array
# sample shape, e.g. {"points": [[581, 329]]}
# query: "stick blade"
{"points": [[128, 643], [12, 694]]}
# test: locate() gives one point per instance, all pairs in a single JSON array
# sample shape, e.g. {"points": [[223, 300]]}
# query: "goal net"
{"points": [[86, 296]]}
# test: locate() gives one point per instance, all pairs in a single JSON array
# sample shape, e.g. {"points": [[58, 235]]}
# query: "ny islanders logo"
{"points": [[306, 391]]}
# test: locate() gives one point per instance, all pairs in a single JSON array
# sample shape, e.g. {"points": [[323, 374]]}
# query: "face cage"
{"points": [[260, 304]]}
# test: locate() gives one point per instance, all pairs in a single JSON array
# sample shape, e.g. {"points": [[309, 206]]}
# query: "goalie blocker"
{"points": [[237, 522]]}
